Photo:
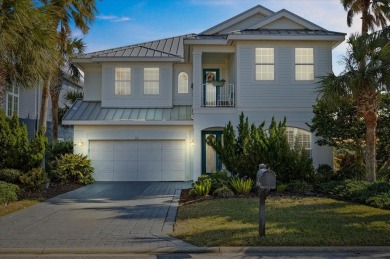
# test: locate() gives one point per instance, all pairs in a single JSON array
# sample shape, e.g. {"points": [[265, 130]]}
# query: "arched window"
{"points": [[299, 137], [182, 82]]}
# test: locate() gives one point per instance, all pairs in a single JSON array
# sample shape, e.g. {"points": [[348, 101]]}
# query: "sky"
{"points": [[127, 22]]}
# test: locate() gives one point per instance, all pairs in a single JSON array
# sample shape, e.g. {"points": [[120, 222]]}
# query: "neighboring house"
{"points": [[26, 103], [148, 108]]}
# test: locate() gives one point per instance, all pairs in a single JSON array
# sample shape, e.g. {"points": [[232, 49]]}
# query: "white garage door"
{"points": [[138, 160]]}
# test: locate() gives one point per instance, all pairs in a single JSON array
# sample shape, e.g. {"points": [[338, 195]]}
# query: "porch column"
{"points": [[197, 79]]}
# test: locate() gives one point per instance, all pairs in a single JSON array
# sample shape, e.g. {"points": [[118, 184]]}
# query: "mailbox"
{"points": [[266, 179]]}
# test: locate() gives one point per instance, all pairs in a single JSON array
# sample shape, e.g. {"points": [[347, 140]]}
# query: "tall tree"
{"points": [[367, 72], [71, 48], [64, 12], [27, 44], [374, 13]]}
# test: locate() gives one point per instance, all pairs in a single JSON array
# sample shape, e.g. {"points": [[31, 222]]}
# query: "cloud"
{"points": [[113, 18]]}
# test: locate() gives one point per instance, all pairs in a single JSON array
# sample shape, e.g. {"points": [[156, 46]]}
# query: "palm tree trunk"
{"points": [[365, 5], [44, 104], [370, 155], [54, 103]]}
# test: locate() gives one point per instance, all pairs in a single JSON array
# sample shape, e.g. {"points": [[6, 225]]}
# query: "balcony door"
{"points": [[210, 88], [211, 162]]}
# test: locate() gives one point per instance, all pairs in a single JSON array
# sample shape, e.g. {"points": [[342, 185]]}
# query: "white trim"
{"points": [[15, 96]]}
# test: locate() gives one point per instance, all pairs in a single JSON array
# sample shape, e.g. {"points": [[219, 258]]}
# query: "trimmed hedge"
{"points": [[374, 194]]}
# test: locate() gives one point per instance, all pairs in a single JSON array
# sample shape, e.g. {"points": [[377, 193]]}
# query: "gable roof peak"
{"points": [[258, 9]]}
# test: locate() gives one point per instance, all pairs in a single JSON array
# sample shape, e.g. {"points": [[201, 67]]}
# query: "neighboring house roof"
{"points": [[91, 112], [169, 48]]}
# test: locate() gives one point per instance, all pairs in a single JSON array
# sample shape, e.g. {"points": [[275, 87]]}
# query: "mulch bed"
{"points": [[54, 190]]}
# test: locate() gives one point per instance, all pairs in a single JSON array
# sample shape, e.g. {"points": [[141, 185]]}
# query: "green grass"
{"points": [[290, 221], [15, 206]]}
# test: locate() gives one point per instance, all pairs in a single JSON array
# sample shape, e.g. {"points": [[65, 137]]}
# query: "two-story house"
{"points": [[148, 108]]}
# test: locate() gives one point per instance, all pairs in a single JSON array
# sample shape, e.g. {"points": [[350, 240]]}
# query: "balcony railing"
{"points": [[218, 95]]}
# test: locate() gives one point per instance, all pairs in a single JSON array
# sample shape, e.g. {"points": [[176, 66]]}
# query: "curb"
{"points": [[197, 250]]}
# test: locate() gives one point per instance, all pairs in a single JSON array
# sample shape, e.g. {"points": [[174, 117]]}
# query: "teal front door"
{"points": [[211, 162]]}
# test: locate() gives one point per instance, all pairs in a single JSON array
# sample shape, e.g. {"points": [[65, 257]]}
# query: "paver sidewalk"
{"points": [[102, 215]]}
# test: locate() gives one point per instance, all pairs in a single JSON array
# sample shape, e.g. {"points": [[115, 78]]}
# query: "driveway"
{"points": [[102, 215]]}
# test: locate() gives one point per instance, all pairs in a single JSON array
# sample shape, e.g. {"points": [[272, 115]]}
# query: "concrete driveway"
{"points": [[102, 215]]}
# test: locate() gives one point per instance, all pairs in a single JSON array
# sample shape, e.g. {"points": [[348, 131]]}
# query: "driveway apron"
{"points": [[105, 214]]}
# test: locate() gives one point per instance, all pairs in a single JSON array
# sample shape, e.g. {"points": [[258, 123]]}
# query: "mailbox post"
{"points": [[265, 180]]}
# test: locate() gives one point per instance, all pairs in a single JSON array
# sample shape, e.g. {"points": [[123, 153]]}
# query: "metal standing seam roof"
{"points": [[285, 32], [92, 111], [169, 47]]}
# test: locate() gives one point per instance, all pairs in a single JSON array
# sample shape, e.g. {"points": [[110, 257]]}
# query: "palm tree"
{"points": [[72, 48], [82, 13], [27, 44], [375, 13], [367, 71]]}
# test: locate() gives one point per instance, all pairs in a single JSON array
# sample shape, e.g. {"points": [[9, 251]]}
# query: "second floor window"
{"points": [[12, 101], [304, 64], [152, 81], [122, 81], [265, 64], [182, 83]]}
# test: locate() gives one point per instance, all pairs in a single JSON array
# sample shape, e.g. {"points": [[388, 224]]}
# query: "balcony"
{"points": [[218, 95]]}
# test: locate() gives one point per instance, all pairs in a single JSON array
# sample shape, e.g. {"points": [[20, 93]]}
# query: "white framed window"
{"points": [[265, 64], [12, 101], [304, 64], [182, 83], [122, 81], [152, 81], [300, 137]]}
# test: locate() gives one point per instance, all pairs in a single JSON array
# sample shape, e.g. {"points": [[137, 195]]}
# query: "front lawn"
{"points": [[290, 221]]}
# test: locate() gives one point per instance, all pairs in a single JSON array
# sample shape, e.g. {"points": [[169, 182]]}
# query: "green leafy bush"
{"points": [[34, 180], [8, 192], [73, 168], [218, 179], [61, 148], [380, 201], [374, 194], [281, 187], [299, 186], [201, 188], [241, 186], [16, 151], [223, 192], [10, 175]]}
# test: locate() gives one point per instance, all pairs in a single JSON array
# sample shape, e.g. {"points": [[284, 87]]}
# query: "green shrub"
{"points": [[201, 188], [8, 192], [380, 201], [324, 173], [10, 175], [218, 179], [223, 192], [34, 180], [73, 168], [281, 187], [241, 186], [299, 186], [374, 194], [253, 145], [16, 151], [352, 171]]}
